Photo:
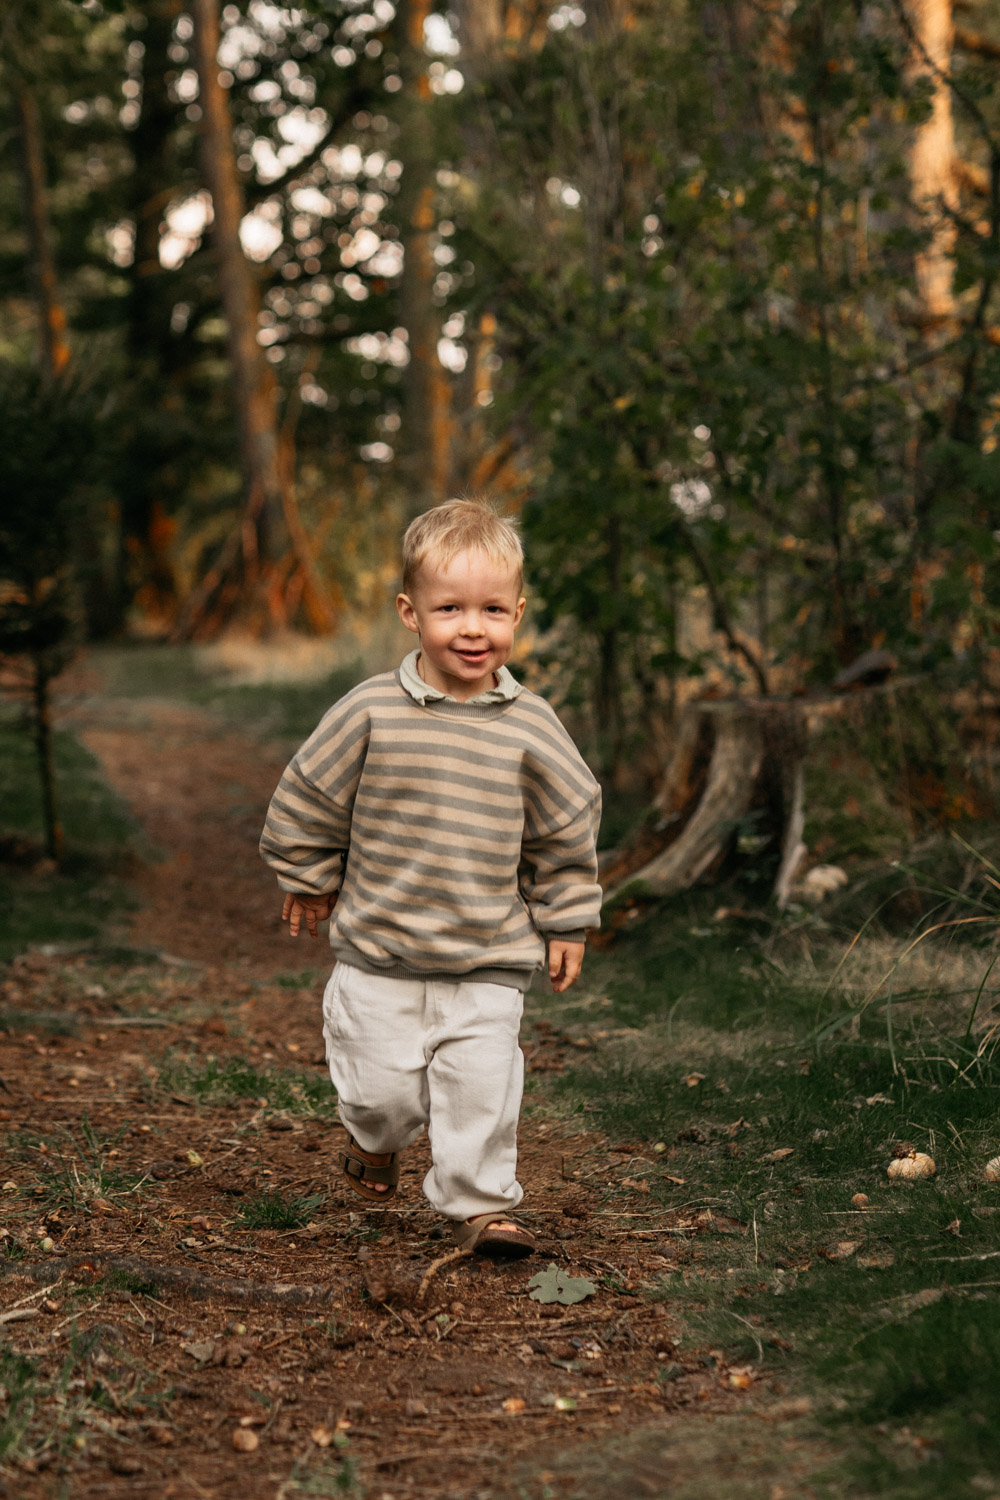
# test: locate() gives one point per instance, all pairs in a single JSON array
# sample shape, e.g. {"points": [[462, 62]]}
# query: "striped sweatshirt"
{"points": [[457, 834]]}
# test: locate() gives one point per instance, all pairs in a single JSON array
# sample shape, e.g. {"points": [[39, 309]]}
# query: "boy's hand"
{"points": [[565, 963], [315, 909]]}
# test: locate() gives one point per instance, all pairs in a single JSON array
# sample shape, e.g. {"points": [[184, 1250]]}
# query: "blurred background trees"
{"points": [[706, 291]]}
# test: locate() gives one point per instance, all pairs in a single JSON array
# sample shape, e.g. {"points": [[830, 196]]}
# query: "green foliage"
{"points": [[705, 252]]}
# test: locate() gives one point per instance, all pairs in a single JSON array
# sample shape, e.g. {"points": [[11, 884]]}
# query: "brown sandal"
{"points": [[360, 1172], [495, 1235]]}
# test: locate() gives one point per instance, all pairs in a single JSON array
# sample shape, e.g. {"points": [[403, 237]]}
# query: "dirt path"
{"points": [[208, 1311], [199, 792]]}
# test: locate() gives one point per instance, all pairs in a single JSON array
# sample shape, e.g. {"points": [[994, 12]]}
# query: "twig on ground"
{"points": [[753, 1333], [18, 1315], [443, 1260]]}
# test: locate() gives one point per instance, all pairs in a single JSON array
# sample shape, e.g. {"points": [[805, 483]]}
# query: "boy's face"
{"points": [[465, 613]]}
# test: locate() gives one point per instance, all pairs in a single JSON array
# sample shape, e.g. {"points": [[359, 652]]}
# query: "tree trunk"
{"points": [[425, 436], [932, 156], [54, 347], [248, 578], [144, 529], [42, 719], [253, 383]]}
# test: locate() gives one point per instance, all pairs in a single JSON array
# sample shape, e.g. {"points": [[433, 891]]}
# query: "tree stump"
{"points": [[736, 780], [736, 770]]}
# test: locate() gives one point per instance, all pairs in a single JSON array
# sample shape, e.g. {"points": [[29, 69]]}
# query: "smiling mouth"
{"points": [[473, 656]]}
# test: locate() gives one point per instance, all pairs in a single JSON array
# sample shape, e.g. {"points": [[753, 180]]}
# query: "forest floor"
{"points": [[193, 1304]]}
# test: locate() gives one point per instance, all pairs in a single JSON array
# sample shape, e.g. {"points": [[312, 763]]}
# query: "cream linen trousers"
{"points": [[408, 1053]]}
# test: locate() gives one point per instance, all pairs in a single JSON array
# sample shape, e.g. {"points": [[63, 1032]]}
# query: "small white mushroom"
{"points": [[820, 881], [991, 1171], [909, 1165]]}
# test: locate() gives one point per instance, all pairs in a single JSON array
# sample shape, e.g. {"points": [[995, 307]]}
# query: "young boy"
{"points": [[444, 819]]}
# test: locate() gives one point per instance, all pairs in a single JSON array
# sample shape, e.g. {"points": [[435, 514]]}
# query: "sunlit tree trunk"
{"points": [[932, 157], [269, 563], [253, 382], [54, 347]]}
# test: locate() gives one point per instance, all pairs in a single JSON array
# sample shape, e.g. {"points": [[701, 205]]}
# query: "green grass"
{"points": [[282, 710], [272, 1210], [75, 1168], [236, 1081], [886, 1315], [38, 906]]}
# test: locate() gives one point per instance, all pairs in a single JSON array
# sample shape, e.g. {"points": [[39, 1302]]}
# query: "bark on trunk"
{"points": [[426, 405], [932, 153], [54, 347], [253, 383], [249, 577], [42, 715]]}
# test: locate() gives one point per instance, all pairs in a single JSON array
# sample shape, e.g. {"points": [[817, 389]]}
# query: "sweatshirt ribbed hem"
{"points": [[514, 979]]}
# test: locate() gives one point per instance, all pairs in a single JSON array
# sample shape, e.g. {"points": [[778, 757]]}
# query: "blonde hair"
{"points": [[459, 526]]}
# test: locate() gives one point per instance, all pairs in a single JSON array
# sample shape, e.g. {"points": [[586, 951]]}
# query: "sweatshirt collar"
{"points": [[421, 692]]}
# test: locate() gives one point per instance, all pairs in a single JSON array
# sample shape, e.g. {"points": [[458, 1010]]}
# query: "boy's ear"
{"points": [[406, 612], [518, 612]]}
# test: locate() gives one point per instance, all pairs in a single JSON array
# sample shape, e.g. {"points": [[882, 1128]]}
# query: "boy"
{"points": [[445, 820]]}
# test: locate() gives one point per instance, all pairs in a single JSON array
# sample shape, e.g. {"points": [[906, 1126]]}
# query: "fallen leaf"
{"points": [[780, 1154], [637, 1185], [878, 1099], [553, 1285], [321, 1436], [844, 1249], [194, 1159], [706, 1219], [245, 1441], [860, 1200], [514, 1404], [564, 1403], [160, 1433], [740, 1380], [415, 1408], [200, 1349], [693, 1079], [955, 1228]]}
